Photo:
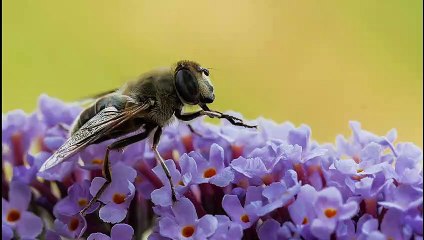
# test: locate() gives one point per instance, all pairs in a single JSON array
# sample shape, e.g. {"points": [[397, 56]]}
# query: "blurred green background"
{"points": [[322, 63]]}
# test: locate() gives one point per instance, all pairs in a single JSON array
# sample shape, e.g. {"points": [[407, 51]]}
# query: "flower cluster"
{"points": [[230, 182]]}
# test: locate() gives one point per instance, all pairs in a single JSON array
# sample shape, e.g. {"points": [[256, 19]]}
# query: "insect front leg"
{"points": [[156, 139], [106, 164]]}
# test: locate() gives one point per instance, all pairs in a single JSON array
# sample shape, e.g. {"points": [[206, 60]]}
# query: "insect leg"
{"points": [[233, 120], [156, 139], [106, 164]]}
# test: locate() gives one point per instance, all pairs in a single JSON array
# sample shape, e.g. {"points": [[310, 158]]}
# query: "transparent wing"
{"points": [[98, 126]]}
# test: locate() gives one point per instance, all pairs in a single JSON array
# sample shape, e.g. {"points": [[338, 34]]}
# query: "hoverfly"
{"points": [[148, 104]]}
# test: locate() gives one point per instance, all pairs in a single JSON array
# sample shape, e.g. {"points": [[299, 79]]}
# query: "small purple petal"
{"points": [[98, 236], [122, 232], [322, 229], [29, 226], [269, 230], [206, 226], [184, 211], [19, 195], [169, 228], [113, 213]]}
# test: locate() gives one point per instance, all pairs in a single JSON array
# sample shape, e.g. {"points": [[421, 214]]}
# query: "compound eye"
{"points": [[206, 71], [187, 86]]}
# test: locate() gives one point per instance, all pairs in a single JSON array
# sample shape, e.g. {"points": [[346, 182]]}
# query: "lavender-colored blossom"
{"points": [[408, 167], [227, 229], [185, 223], [273, 230], [274, 182], [212, 170], [243, 215], [15, 214], [54, 111], [402, 197], [302, 211], [26, 173], [329, 209], [267, 199], [18, 131], [162, 196], [118, 232], [118, 195], [78, 197], [70, 226]]}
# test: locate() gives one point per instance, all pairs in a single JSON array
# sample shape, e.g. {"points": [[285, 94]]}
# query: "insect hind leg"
{"points": [[106, 164], [156, 139]]}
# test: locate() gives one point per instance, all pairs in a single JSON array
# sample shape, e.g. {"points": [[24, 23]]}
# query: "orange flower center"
{"points": [[73, 224], [330, 212], [305, 220], [97, 161], [244, 218], [187, 231], [268, 179], [359, 170], [13, 215], [82, 202], [210, 172], [181, 183], [237, 151], [118, 198]]}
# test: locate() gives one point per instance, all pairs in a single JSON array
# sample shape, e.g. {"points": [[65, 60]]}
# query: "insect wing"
{"points": [[97, 127]]}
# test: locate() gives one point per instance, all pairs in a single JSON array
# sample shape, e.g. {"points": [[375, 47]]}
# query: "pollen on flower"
{"points": [[73, 224], [97, 161], [118, 198], [305, 221], [210, 172], [82, 202], [181, 183], [244, 218], [187, 231], [330, 212], [359, 170], [13, 215]]}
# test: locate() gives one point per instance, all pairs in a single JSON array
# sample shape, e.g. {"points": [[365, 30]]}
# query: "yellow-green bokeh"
{"points": [[322, 63]]}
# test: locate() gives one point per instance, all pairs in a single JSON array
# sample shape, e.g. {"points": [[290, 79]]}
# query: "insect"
{"points": [[139, 108]]}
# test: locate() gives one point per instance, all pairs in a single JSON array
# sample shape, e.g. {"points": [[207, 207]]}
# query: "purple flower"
{"points": [[273, 230], [15, 214], [267, 199], [227, 229], [118, 195], [118, 232], [212, 170], [185, 224], [54, 111], [245, 216], [25, 173], [302, 211], [162, 196], [329, 209], [19, 130], [408, 167], [403, 197], [70, 226], [78, 197]]}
